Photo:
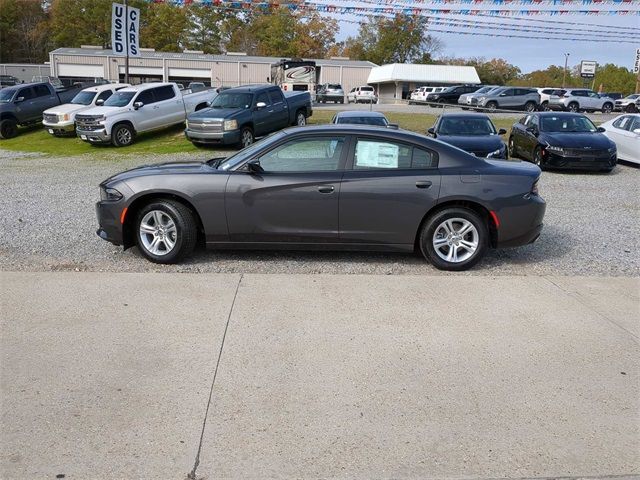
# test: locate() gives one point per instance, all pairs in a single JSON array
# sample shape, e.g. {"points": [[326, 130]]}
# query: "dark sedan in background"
{"points": [[452, 94], [472, 132], [356, 117], [562, 140], [328, 187]]}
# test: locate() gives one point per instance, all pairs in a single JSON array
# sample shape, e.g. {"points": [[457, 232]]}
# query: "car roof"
{"points": [[23, 85], [144, 86], [360, 113], [557, 114], [106, 86], [251, 88], [353, 129]]}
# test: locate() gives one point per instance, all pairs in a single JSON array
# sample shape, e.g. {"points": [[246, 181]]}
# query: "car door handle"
{"points": [[326, 188], [423, 184]]}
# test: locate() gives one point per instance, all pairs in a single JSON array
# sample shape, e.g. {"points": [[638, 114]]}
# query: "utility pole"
{"points": [[564, 75], [126, 41]]}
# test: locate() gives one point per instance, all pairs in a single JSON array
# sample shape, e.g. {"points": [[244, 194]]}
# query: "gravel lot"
{"points": [[47, 222]]}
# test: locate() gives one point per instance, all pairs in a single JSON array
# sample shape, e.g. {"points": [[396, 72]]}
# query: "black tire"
{"points": [[8, 128], [492, 106], [186, 233], [573, 107], [442, 101], [246, 137], [530, 107], [544, 106], [342, 100], [631, 108], [301, 119], [122, 135], [536, 158], [433, 224], [512, 149], [607, 107]]}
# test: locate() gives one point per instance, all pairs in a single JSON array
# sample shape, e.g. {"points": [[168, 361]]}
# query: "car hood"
{"points": [[575, 140], [215, 113], [168, 168], [474, 142], [102, 110], [68, 108]]}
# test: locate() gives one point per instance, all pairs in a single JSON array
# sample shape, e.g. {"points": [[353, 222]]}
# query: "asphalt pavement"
{"points": [[111, 375]]}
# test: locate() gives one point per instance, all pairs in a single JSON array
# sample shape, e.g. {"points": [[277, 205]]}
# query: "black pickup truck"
{"points": [[23, 104], [239, 115]]}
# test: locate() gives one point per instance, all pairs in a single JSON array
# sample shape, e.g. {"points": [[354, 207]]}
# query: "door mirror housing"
{"points": [[253, 166], [19, 99], [137, 105], [432, 131], [636, 131], [100, 102], [260, 105], [533, 130], [502, 131], [601, 129], [502, 95]]}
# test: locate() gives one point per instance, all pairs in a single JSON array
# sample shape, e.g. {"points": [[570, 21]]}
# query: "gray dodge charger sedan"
{"points": [[332, 187]]}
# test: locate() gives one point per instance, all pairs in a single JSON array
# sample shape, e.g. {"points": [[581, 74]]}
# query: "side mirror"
{"points": [[137, 105], [636, 131], [533, 130], [99, 102], [395, 126], [502, 131], [260, 105], [502, 95], [19, 99], [253, 166], [601, 129], [432, 131]]}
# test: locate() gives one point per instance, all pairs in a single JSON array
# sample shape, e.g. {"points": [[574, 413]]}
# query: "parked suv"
{"points": [[510, 98], [579, 99], [330, 92], [468, 100], [451, 94], [364, 94], [420, 94], [627, 104], [545, 94]]}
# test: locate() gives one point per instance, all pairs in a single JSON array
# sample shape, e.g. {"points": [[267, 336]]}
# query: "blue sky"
{"points": [[532, 55]]}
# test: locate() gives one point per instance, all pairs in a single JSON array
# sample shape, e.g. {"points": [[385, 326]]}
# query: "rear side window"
{"points": [[275, 96], [423, 159], [164, 93], [41, 91], [378, 154], [366, 89]]}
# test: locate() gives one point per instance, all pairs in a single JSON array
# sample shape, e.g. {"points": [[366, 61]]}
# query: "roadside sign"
{"points": [[636, 65], [588, 68], [125, 30]]}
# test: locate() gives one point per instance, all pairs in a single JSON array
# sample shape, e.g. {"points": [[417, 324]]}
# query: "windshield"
{"points": [[232, 100], [563, 124], [448, 89], [466, 126], [380, 121], [633, 97], [6, 95], [119, 99], [84, 98], [247, 152]]}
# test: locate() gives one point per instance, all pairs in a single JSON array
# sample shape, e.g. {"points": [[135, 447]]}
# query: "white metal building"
{"points": [[24, 71], [396, 81], [228, 70]]}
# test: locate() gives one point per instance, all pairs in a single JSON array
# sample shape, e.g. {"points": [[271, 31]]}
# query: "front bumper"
{"points": [[554, 160], [109, 226], [226, 138], [94, 136], [68, 128]]}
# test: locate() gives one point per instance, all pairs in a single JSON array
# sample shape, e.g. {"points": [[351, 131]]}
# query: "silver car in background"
{"points": [[363, 94], [468, 100], [581, 99], [510, 98], [330, 92]]}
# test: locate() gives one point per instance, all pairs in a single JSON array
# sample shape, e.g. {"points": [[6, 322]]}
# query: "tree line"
{"points": [[30, 29]]}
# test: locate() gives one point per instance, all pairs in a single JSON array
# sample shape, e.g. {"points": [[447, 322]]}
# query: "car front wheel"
{"points": [[8, 128], [166, 231], [573, 107], [454, 239], [122, 135], [607, 108], [246, 137], [512, 148]]}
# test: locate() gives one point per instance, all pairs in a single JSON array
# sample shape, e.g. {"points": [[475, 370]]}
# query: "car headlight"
{"points": [[555, 149], [499, 153], [230, 124], [63, 117], [612, 149], [482, 99], [435, 97], [109, 194]]}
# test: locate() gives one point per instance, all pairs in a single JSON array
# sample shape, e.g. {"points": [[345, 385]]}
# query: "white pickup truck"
{"points": [[60, 120], [138, 109]]}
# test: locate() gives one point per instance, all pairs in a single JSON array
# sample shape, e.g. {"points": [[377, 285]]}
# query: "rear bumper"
{"points": [[225, 138], [521, 224]]}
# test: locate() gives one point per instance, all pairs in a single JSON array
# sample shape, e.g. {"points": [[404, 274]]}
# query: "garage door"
{"points": [[72, 70], [190, 73]]}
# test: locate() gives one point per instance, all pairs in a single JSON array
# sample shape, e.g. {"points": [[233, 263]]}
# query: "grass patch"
{"points": [[172, 140]]}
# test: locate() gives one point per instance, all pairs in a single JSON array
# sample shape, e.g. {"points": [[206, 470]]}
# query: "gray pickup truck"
{"points": [[23, 104], [239, 115]]}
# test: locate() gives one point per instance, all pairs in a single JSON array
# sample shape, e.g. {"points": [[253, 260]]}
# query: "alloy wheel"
{"points": [[301, 120], [455, 240], [158, 233], [123, 136], [247, 138]]}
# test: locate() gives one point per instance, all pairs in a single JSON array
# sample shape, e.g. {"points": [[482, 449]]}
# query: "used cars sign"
{"points": [[588, 69], [125, 30]]}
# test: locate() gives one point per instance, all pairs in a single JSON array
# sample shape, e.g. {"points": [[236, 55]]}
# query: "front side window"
{"points": [[26, 93], [623, 123], [232, 100], [310, 155], [507, 93], [104, 95], [146, 97], [263, 97]]}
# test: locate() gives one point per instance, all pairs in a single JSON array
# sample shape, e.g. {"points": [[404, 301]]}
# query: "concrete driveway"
{"points": [[107, 375]]}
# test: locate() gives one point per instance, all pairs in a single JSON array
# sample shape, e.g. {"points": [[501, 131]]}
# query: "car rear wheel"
{"points": [[454, 239], [166, 231], [246, 137], [573, 107], [537, 158], [301, 120], [545, 106], [512, 148], [631, 108], [607, 108], [530, 107], [122, 135]]}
